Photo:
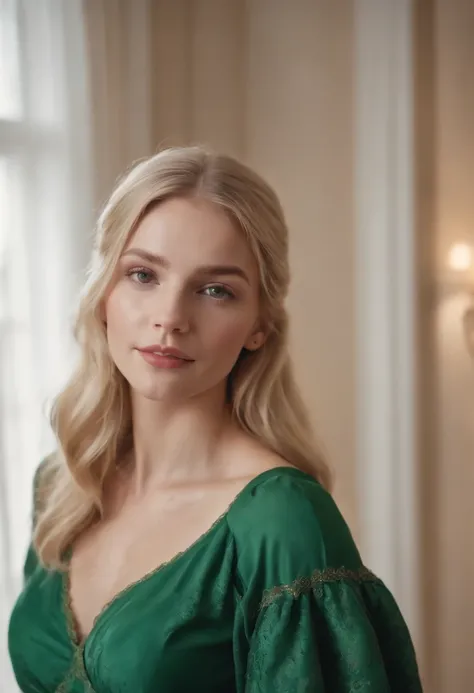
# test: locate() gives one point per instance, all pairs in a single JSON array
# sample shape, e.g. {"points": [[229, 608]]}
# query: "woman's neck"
{"points": [[176, 444]]}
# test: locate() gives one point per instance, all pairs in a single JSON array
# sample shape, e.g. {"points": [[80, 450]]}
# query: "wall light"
{"points": [[460, 257]]}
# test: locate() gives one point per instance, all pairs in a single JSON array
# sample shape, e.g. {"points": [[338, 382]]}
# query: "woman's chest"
{"points": [[172, 631], [113, 557], [174, 636]]}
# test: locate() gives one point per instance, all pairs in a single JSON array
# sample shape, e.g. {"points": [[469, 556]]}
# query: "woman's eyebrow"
{"points": [[223, 270], [150, 257], [209, 270]]}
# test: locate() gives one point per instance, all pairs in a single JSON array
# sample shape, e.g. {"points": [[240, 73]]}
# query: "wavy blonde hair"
{"points": [[91, 416]]}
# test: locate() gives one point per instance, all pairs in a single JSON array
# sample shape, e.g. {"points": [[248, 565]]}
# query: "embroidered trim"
{"points": [[304, 585], [68, 611], [77, 670]]}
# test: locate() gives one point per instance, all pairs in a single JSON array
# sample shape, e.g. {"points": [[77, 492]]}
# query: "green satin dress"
{"points": [[273, 598]]}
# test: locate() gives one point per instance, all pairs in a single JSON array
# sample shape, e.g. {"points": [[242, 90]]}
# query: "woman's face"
{"points": [[187, 280]]}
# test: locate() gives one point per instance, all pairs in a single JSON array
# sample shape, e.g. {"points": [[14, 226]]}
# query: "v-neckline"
{"points": [[75, 636], [79, 641]]}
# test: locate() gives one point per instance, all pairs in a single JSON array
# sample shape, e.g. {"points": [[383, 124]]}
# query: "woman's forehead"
{"points": [[186, 232]]}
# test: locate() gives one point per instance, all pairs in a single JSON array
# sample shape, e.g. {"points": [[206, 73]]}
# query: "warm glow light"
{"points": [[460, 257]]}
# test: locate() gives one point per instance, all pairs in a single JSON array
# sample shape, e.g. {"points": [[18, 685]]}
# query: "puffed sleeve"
{"points": [[311, 617]]}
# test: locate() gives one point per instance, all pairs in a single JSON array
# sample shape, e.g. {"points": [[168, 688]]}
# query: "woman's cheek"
{"points": [[232, 335], [123, 307]]}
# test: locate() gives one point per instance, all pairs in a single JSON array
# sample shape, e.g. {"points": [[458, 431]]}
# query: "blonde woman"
{"points": [[185, 539]]}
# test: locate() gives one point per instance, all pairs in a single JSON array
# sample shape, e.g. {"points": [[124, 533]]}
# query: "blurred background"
{"points": [[361, 114]]}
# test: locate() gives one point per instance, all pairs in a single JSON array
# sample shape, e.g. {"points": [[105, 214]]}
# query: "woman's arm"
{"points": [[312, 618]]}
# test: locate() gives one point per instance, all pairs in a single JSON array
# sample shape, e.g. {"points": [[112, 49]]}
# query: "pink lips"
{"points": [[165, 357]]}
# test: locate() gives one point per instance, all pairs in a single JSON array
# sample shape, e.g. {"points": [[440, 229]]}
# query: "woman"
{"points": [[184, 537]]}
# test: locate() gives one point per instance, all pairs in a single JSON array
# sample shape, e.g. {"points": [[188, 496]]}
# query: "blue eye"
{"points": [[141, 276], [220, 293]]}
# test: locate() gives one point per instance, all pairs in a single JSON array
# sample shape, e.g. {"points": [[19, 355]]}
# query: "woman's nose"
{"points": [[172, 313]]}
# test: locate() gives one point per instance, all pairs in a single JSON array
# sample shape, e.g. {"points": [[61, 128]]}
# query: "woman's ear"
{"points": [[255, 341]]}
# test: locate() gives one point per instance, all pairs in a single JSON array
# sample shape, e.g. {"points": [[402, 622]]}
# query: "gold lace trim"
{"points": [[306, 584], [77, 670]]}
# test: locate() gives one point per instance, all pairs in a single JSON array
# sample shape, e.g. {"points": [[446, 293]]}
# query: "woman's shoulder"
{"points": [[287, 503], [303, 589], [285, 517]]}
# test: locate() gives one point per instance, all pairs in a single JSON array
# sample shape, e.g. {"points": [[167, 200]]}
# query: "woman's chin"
{"points": [[163, 394]]}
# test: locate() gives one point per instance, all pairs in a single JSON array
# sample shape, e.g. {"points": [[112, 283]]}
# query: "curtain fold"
{"points": [[45, 218], [119, 39], [45, 222], [75, 112]]}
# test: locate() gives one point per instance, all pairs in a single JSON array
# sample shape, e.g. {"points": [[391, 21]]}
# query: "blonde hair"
{"points": [[91, 416]]}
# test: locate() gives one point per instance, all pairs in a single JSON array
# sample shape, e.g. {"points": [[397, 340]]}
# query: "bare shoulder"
{"points": [[248, 458]]}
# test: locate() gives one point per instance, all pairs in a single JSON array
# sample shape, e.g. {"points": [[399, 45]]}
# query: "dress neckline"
{"points": [[79, 641]]}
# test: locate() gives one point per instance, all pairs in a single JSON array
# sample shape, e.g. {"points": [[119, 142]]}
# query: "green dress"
{"points": [[273, 598]]}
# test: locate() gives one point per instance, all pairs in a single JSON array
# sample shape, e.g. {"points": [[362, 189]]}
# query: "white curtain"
{"points": [[45, 226], [75, 111]]}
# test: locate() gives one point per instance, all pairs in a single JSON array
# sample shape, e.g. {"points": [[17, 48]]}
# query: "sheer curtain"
{"points": [[45, 222], [75, 78]]}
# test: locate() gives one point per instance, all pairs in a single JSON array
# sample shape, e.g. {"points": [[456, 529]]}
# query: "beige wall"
{"points": [[454, 219], [445, 131], [271, 81]]}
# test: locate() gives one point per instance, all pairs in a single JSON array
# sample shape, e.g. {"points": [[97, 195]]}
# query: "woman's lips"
{"points": [[160, 360]]}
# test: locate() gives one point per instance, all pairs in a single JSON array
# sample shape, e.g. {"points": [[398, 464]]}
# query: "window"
{"points": [[45, 214]]}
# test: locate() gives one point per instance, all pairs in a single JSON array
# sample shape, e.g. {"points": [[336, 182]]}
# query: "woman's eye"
{"points": [[141, 276], [218, 292]]}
